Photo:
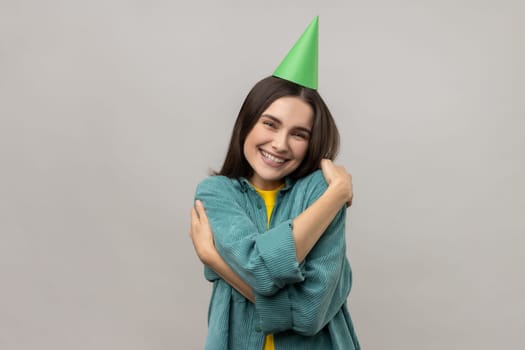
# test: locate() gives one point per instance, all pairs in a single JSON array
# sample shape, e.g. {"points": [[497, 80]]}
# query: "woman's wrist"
{"points": [[209, 256]]}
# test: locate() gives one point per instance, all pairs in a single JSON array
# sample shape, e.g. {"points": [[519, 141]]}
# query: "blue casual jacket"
{"points": [[303, 305]]}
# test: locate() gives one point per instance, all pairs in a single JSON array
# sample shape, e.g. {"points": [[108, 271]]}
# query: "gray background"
{"points": [[112, 111]]}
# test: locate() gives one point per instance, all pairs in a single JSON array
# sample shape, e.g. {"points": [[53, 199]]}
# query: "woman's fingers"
{"points": [[199, 219], [336, 175], [194, 225], [332, 171], [201, 212], [201, 233], [194, 216], [328, 168]]}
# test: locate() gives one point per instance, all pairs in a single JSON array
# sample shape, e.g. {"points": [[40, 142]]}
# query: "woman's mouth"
{"points": [[272, 160]]}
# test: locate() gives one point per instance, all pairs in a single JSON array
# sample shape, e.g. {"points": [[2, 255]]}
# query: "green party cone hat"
{"points": [[300, 64]]}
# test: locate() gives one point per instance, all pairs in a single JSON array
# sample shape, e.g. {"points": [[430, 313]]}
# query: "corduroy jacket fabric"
{"points": [[303, 305]]}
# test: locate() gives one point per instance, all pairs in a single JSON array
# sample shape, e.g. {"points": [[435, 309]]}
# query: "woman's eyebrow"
{"points": [[278, 121], [275, 119]]}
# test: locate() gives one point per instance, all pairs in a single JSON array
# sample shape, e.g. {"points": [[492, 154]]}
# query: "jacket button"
{"points": [[259, 206], [257, 329]]}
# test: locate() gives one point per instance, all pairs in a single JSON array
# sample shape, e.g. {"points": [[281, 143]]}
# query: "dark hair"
{"points": [[324, 139]]}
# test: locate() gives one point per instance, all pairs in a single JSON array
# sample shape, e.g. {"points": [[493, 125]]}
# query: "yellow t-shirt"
{"points": [[269, 197]]}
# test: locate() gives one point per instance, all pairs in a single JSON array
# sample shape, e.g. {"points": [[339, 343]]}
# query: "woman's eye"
{"points": [[300, 136], [268, 123]]}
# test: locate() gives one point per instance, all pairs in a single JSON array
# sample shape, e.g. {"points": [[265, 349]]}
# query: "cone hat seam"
{"points": [[300, 65]]}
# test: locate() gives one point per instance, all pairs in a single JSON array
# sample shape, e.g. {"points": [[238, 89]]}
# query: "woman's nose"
{"points": [[280, 142]]}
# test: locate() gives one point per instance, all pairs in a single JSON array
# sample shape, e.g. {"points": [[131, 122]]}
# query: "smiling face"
{"points": [[278, 141]]}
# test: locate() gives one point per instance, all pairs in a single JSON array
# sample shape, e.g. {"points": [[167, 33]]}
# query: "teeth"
{"points": [[272, 158]]}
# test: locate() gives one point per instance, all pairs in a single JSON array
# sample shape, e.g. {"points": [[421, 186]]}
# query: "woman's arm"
{"points": [[202, 239], [308, 306], [303, 307], [307, 227], [266, 262], [312, 223]]}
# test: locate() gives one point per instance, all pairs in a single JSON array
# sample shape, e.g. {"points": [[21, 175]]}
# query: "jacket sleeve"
{"points": [[306, 307], [265, 260]]}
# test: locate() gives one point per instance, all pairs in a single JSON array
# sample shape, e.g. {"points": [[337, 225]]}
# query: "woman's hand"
{"points": [[202, 238], [338, 179], [201, 234]]}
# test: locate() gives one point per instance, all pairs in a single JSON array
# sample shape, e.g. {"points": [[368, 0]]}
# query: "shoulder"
{"points": [[312, 181], [309, 188], [218, 184], [214, 180]]}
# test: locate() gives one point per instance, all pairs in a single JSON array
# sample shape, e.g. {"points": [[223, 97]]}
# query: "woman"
{"points": [[270, 227]]}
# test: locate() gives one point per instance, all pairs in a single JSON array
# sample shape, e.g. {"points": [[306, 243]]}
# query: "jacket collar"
{"points": [[245, 184]]}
